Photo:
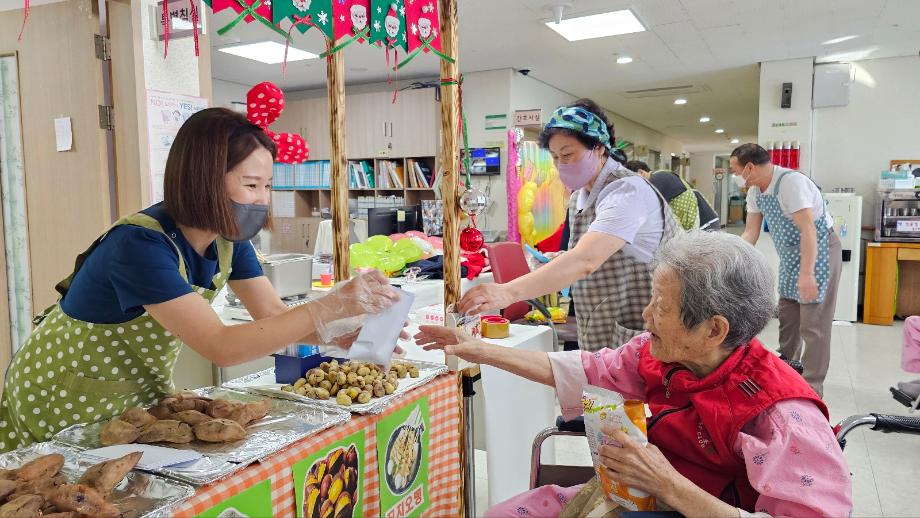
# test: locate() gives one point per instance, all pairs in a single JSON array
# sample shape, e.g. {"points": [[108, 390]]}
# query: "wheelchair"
{"points": [[567, 476]]}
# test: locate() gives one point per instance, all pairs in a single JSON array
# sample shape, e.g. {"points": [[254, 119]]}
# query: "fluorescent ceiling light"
{"points": [[840, 39], [270, 52], [679, 101], [734, 141], [624, 60], [704, 119], [720, 130], [598, 25]]}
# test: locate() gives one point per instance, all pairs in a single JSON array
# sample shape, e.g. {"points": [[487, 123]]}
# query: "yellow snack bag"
{"points": [[605, 408]]}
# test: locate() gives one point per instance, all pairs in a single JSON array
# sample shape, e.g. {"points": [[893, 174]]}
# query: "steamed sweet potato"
{"points": [[25, 506], [219, 430], [137, 417], [117, 431], [6, 488], [250, 412], [84, 500], [45, 466], [223, 408], [166, 430], [103, 477], [190, 417]]}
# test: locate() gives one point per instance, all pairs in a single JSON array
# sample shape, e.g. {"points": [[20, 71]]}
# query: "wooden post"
{"points": [[450, 151], [335, 77]]}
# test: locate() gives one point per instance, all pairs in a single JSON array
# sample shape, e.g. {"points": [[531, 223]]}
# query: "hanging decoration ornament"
{"points": [[248, 11], [264, 104], [473, 202], [424, 30], [471, 239], [513, 182]]}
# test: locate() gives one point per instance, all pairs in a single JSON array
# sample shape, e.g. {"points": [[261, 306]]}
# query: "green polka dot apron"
{"points": [[70, 371], [787, 239]]}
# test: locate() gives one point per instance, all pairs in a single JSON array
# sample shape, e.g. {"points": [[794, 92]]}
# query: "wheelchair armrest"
{"points": [[576, 425]]}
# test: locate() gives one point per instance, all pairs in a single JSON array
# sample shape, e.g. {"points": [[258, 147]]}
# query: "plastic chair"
{"points": [[508, 263]]}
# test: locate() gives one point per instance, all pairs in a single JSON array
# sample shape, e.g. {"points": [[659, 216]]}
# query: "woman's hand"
{"points": [[453, 341], [486, 297], [641, 467], [808, 288]]}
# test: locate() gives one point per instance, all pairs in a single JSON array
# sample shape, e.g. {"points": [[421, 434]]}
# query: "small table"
{"points": [[881, 288]]}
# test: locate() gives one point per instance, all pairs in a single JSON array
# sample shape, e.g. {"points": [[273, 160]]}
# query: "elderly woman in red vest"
{"points": [[733, 430]]}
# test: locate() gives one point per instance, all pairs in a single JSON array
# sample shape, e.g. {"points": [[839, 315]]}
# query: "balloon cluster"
{"points": [[382, 253]]}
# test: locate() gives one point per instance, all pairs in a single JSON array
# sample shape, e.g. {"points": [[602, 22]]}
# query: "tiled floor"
{"points": [[865, 361]]}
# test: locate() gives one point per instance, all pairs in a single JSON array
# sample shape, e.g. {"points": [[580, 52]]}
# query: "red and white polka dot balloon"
{"points": [[264, 104]]}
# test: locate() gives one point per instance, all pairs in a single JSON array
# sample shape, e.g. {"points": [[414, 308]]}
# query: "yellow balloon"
{"points": [[525, 225], [526, 199]]}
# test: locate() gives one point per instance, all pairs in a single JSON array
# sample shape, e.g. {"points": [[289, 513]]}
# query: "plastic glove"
{"points": [[342, 310]]}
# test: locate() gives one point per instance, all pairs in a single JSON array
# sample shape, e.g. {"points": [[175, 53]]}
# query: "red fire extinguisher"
{"points": [[769, 148], [794, 156], [774, 153]]}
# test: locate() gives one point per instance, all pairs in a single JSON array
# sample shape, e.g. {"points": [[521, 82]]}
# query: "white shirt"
{"points": [[630, 209], [797, 192]]}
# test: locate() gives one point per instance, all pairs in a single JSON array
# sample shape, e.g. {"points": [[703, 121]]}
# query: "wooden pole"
{"points": [[335, 77], [450, 151]]}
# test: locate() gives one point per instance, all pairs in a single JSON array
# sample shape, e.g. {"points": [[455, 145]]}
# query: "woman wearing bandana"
{"points": [[144, 288], [617, 222]]}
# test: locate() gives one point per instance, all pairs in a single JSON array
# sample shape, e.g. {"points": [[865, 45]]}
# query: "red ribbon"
{"points": [[25, 19], [194, 24], [308, 21], [165, 28]]}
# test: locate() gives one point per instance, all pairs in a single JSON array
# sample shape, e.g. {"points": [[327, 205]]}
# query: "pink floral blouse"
{"points": [[792, 457]]}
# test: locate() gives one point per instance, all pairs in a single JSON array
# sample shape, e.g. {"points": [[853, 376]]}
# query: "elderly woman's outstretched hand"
{"points": [[453, 341]]}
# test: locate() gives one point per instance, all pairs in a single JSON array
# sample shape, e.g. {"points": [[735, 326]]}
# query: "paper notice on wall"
{"points": [[63, 134], [166, 112]]}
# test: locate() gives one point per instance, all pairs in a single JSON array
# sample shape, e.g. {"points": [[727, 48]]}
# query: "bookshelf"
{"points": [[303, 190]]}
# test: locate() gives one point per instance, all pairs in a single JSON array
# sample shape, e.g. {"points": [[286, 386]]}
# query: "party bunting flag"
{"points": [[388, 24], [264, 8], [320, 11], [424, 30], [351, 20]]}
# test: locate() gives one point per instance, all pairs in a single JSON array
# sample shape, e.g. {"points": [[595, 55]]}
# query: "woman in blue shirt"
{"points": [[145, 287]]}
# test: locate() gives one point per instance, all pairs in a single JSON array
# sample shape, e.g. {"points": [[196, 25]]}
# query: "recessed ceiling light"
{"points": [[840, 39], [270, 52], [597, 25], [624, 60], [704, 119], [734, 141], [680, 101], [720, 130]]}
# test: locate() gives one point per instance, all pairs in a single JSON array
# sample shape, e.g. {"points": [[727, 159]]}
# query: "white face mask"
{"points": [[739, 181]]}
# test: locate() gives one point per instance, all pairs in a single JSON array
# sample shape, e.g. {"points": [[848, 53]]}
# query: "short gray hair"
{"points": [[721, 274]]}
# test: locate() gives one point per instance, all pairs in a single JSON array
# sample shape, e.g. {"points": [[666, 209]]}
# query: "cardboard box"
{"points": [[294, 235]]}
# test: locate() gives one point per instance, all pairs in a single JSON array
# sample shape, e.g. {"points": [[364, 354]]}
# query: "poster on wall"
{"points": [[402, 457], [166, 112], [329, 480], [251, 503]]}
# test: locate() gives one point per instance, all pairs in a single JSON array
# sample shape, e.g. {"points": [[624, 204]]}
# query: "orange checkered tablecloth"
{"points": [[444, 476]]}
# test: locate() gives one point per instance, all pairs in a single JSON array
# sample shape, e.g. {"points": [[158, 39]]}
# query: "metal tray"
{"points": [[264, 383], [287, 423], [138, 495]]}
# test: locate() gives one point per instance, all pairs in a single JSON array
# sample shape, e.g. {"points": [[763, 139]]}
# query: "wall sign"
{"points": [[166, 112], [784, 124], [498, 121], [180, 19], [525, 118]]}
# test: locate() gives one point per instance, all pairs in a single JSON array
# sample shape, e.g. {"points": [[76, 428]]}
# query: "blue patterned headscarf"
{"points": [[582, 121]]}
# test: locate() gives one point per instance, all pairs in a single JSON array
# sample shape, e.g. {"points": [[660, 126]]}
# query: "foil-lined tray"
{"points": [[264, 383], [286, 423], [137, 495]]}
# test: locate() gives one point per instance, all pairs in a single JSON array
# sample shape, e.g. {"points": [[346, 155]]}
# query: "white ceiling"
{"points": [[713, 45]]}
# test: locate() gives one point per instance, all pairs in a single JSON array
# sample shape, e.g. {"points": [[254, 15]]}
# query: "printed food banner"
{"points": [[330, 480], [254, 502], [402, 457]]}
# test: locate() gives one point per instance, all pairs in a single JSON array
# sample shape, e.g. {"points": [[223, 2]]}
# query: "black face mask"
{"points": [[249, 220]]}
